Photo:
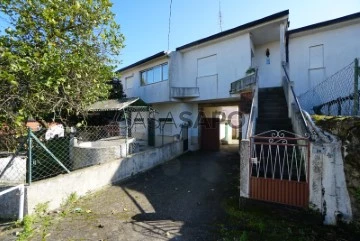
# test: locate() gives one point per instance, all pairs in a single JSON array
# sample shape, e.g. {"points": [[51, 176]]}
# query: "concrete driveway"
{"points": [[180, 200]]}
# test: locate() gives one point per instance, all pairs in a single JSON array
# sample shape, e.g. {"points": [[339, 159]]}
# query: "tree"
{"points": [[56, 57], [117, 90]]}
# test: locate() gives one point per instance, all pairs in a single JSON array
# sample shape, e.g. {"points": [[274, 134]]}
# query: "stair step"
{"points": [[273, 120], [270, 115]]}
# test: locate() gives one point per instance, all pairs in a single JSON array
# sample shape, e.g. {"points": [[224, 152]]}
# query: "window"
{"points": [[316, 57], [129, 82], [207, 66], [155, 74]]}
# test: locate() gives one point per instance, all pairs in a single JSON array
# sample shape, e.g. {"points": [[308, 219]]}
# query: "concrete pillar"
{"points": [[244, 168], [282, 43], [329, 204]]}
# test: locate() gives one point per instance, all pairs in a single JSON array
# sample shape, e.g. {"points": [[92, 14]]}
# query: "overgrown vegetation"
{"points": [[40, 218], [38, 224], [68, 204]]}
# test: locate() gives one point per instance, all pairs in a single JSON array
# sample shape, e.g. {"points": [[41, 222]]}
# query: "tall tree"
{"points": [[56, 57]]}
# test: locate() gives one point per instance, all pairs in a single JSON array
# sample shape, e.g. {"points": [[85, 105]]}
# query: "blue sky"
{"points": [[145, 23]]}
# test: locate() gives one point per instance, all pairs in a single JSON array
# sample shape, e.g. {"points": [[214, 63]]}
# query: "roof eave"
{"points": [[316, 26], [143, 61], [235, 30]]}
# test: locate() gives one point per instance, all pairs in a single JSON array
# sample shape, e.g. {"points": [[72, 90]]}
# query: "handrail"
{"points": [[253, 106], [252, 112], [295, 98]]}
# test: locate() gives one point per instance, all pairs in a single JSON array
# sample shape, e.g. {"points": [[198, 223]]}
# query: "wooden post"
{"points": [[356, 88]]}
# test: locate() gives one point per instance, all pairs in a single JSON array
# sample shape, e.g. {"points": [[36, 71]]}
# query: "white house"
{"points": [[207, 84], [198, 75]]}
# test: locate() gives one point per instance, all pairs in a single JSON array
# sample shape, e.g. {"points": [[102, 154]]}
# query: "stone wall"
{"points": [[347, 129]]}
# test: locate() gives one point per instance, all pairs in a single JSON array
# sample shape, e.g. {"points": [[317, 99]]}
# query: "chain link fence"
{"points": [[56, 150], [336, 95], [13, 156]]}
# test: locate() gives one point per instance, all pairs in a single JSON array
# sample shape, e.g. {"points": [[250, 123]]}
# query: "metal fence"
{"points": [[336, 95], [49, 152]]}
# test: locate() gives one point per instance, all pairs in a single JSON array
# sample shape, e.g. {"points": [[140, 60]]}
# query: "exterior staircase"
{"points": [[273, 117], [273, 111]]}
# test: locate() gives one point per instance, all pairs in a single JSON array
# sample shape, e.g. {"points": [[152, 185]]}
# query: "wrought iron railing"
{"points": [[244, 83], [280, 155]]}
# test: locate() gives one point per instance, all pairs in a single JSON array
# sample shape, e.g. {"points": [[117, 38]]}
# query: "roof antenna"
{"points": [[220, 16], [168, 47]]}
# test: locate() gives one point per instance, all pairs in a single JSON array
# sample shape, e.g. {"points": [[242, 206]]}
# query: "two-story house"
{"points": [[208, 76]]}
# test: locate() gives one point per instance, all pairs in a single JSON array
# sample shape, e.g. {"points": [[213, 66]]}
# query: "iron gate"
{"points": [[279, 168]]}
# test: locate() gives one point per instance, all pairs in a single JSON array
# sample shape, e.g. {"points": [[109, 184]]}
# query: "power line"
{"points": [[168, 47]]}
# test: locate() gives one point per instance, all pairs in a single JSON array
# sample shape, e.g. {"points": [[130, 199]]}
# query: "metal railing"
{"points": [[252, 116], [244, 83], [292, 99], [279, 155]]}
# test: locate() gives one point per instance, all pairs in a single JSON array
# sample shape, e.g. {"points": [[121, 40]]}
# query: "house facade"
{"points": [[197, 77]]}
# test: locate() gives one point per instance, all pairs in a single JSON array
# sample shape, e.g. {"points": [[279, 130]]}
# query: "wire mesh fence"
{"points": [[57, 150], [13, 156], [336, 95]]}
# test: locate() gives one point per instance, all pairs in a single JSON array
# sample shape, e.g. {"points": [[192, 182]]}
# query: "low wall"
{"points": [[9, 204], [56, 190], [84, 154]]}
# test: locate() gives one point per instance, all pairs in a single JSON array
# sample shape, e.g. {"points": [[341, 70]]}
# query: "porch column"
{"points": [[282, 43]]}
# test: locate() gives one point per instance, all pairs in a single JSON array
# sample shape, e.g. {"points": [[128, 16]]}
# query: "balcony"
{"points": [[184, 92], [243, 84]]}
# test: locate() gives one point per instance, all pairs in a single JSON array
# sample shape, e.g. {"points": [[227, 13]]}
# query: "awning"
{"points": [[112, 105]]}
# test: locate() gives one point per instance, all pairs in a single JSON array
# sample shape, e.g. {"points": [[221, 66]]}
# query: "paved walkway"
{"points": [[180, 200]]}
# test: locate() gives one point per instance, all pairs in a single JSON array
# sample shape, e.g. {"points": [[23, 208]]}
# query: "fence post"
{"points": [[29, 163], [356, 88]]}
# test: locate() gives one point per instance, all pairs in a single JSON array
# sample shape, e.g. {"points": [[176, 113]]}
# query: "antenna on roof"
{"points": [[220, 16], [168, 47]]}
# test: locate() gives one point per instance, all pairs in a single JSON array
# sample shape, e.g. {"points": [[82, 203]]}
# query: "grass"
{"points": [[38, 223], [39, 219], [263, 221], [69, 203]]}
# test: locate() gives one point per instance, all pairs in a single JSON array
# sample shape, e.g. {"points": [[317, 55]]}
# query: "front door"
{"points": [[210, 134]]}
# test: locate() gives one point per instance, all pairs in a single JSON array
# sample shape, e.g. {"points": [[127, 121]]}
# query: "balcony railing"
{"points": [[185, 92], [244, 83]]}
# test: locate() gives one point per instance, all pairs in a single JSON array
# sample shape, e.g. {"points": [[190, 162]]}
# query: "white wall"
{"points": [[341, 47], [233, 58], [269, 74], [153, 93], [179, 113]]}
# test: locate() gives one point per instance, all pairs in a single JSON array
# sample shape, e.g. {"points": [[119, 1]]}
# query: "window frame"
{"points": [[146, 71], [322, 57]]}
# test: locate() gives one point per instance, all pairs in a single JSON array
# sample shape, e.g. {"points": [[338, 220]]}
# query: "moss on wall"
{"points": [[348, 130]]}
